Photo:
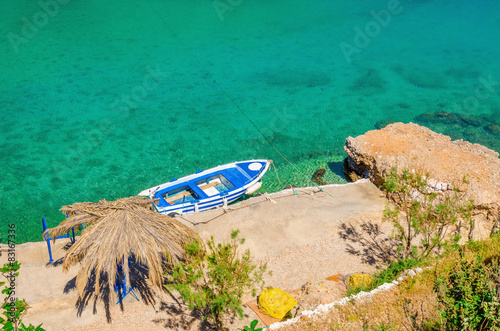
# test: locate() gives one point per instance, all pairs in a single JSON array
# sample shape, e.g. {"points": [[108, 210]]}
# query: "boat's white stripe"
{"points": [[148, 191], [210, 200], [201, 205], [204, 204]]}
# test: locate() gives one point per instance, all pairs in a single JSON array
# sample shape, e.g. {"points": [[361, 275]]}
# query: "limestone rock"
{"points": [[275, 302], [411, 146]]}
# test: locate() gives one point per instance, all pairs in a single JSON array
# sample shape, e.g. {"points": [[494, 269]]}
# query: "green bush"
{"points": [[252, 327], [395, 269], [13, 308], [436, 219], [468, 295], [215, 280], [387, 275]]}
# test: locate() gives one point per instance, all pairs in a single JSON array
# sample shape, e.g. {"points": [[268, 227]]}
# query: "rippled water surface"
{"points": [[101, 100]]}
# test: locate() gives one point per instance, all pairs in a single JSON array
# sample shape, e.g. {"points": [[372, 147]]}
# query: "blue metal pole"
{"points": [[44, 225]]}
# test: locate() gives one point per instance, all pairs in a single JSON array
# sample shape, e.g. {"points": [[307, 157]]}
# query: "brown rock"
{"points": [[411, 146], [318, 176], [349, 172]]}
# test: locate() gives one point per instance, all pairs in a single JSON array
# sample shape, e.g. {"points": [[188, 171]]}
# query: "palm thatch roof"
{"points": [[114, 230]]}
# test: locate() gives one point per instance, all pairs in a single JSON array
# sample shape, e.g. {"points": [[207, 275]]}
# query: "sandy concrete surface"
{"points": [[289, 218], [303, 235]]}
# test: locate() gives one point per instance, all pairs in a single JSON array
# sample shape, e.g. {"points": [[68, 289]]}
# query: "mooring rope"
{"points": [[223, 90], [276, 171], [256, 127], [341, 196], [267, 198]]}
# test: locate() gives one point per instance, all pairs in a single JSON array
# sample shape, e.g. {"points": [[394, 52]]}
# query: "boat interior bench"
{"points": [[204, 187], [170, 200]]}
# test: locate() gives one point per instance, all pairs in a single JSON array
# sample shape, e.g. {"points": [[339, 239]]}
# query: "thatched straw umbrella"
{"points": [[114, 230]]}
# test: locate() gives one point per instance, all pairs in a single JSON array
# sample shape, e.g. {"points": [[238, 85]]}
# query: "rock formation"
{"points": [[411, 146], [482, 129], [318, 176]]}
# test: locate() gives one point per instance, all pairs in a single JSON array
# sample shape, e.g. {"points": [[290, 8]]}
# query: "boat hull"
{"points": [[208, 189]]}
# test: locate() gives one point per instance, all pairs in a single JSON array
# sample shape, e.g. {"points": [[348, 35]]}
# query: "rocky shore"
{"points": [[414, 147]]}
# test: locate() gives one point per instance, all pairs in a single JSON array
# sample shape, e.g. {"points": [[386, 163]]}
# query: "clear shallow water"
{"points": [[102, 100]]}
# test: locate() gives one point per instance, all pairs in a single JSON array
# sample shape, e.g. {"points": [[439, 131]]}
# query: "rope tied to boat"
{"points": [[255, 126], [230, 98], [276, 171], [329, 193], [268, 198]]}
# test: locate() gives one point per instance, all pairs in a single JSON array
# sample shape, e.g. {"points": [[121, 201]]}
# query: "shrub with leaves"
{"points": [[387, 275], [252, 327], [435, 218], [214, 280], [468, 295], [13, 308]]}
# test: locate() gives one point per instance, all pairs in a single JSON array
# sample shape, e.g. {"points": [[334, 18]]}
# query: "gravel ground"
{"points": [[290, 268], [295, 266], [304, 238]]}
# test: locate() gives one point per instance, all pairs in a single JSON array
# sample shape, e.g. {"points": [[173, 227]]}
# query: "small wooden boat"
{"points": [[208, 189]]}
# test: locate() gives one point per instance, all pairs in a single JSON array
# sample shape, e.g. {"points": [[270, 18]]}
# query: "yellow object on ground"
{"points": [[275, 302], [360, 280]]}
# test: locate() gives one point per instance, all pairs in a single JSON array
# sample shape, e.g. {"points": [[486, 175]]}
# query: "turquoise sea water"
{"points": [[101, 100]]}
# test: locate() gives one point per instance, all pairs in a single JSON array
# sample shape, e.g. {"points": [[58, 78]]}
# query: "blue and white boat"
{"points": [[208, 189]]}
